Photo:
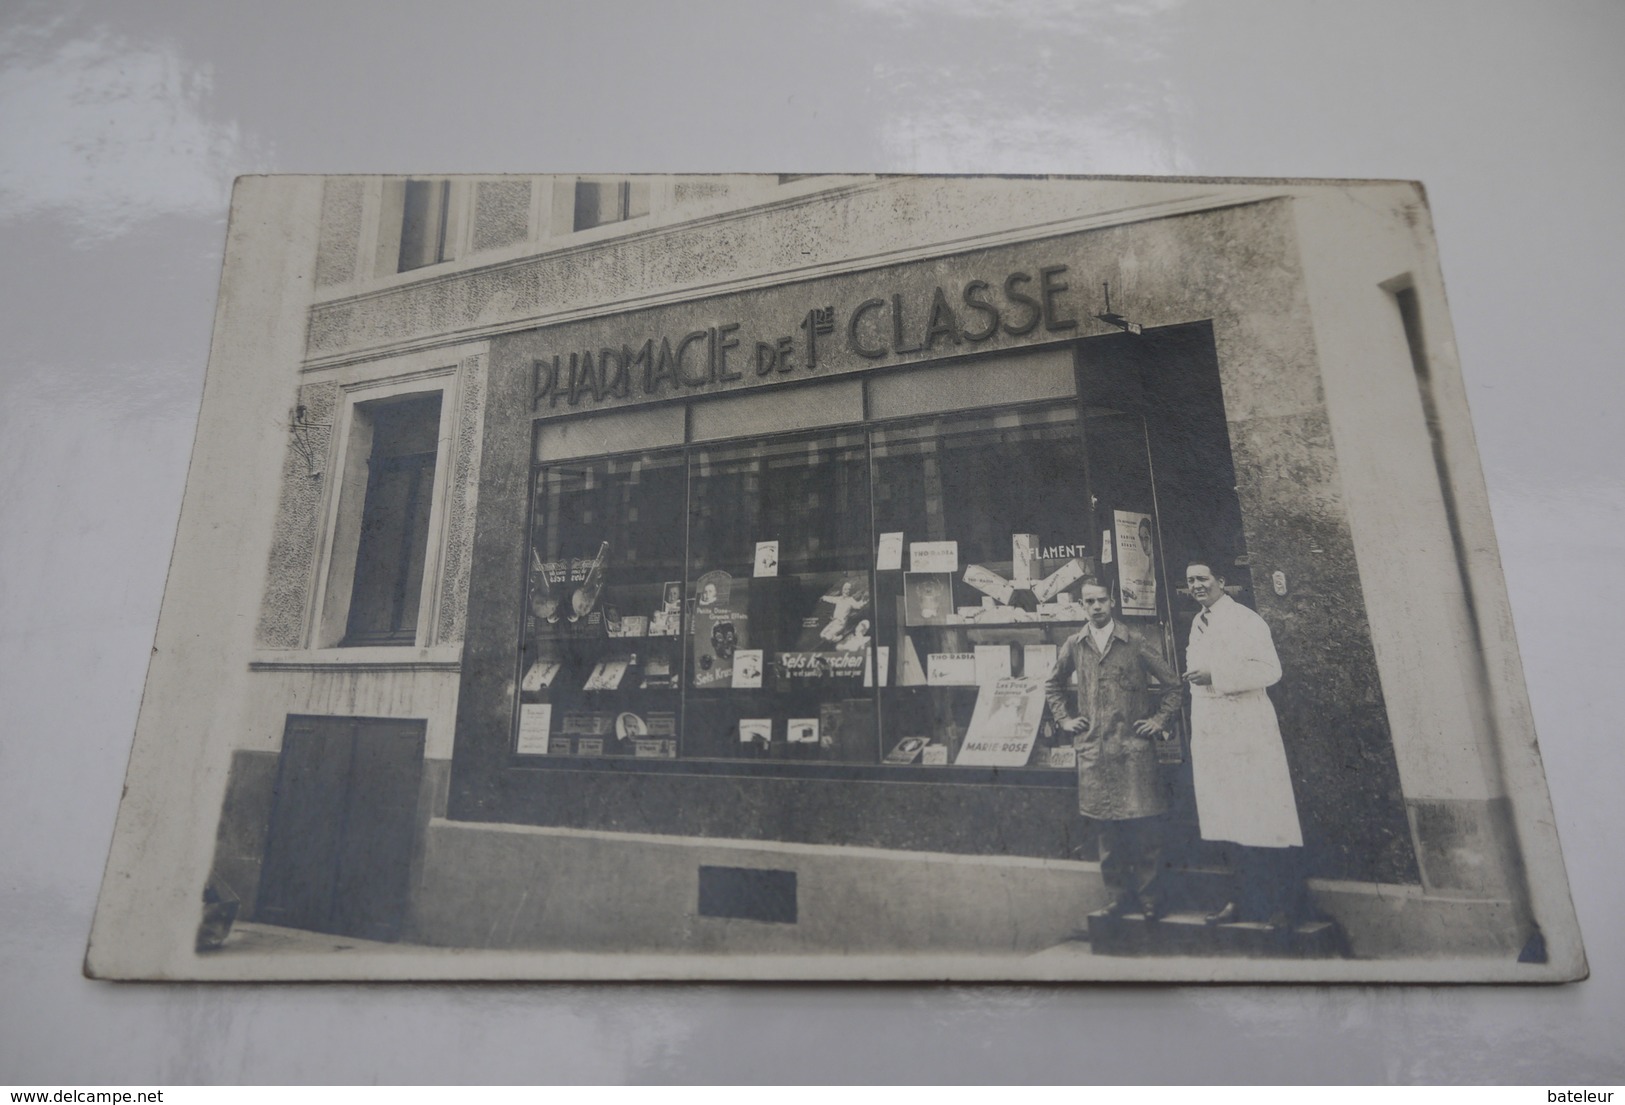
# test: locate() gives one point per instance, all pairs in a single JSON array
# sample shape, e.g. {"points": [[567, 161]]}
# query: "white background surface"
{"points": [[122, 125]]}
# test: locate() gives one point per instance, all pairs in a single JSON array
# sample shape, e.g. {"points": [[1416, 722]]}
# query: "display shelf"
{"points": [[1023, 623], [588, 635]]}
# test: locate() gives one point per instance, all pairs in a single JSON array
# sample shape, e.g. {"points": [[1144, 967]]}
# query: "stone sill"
{"points": [[383, 658]]}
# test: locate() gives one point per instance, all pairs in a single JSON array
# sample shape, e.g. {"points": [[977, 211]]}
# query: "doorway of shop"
{"points": [[1162, 483], [338, 853]]}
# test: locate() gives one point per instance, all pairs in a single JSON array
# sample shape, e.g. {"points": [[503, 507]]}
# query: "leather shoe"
{"points": [[1115, 909], [1150, 908], [1227, 915]]}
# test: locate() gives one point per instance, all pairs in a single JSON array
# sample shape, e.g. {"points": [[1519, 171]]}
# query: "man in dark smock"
{"points": [[1115, 721]]}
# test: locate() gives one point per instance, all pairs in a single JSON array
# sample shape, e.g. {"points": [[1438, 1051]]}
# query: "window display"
{"points": [[891, 595], [994, 512], [602, 619], [779, 538]]}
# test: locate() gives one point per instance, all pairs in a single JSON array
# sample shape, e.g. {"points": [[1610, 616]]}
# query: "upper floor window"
{"points": [[598, 202], [424, 209]]}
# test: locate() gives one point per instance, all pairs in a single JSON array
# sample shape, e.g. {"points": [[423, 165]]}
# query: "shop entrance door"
{"points": [[1162, 485], [338, 854]]}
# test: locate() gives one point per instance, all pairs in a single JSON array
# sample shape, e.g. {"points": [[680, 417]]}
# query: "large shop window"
{"points": [[995, 514], [782, 624], [891, 595]]}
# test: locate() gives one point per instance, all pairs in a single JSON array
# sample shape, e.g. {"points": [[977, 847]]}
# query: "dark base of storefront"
{"points": [[512, 886], [583, 890], [502, 886]]}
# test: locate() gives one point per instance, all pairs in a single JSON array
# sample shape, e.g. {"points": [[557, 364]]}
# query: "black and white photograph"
{"points": [[863, 577], [908, 757]]}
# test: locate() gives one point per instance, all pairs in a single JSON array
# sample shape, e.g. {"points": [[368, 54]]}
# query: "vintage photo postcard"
{"points": [[834, 577]]}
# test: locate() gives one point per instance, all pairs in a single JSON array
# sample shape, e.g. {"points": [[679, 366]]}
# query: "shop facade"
{"points": [[690, 586]]}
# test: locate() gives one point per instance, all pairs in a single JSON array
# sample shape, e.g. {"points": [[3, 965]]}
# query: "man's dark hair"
{"points": [[1213, 566]]}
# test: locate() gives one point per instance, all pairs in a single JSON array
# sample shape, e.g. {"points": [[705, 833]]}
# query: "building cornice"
{"points": [[477, 303]]}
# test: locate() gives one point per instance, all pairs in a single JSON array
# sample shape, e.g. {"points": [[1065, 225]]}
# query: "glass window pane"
{"points": [[394, 539], [637, 199], [780, 593], [598, 202], [767, 411], [603, 621], [724, 601], [595, 204], [1045, 374], [1000, 504], [423, 224]]}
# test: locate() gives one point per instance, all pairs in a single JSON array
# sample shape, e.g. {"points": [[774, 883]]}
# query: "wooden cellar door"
{"points": [[338, 854]]}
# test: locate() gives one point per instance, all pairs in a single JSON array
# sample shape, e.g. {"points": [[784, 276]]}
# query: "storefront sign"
{"points": [[875, 330], [990, 583], [1060, 579], [933, 556], [951, 669], [794, 666]]}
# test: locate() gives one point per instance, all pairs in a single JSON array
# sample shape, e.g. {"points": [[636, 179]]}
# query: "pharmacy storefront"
{"points": [[767, 584]]}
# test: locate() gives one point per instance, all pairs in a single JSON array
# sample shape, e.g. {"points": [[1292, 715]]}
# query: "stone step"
{"points": [[1186, 934]]}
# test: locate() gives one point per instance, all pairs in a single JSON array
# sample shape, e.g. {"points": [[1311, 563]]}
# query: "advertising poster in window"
{"points": [[842, 620], [1004, 725], [719, 627], [535, 724], [1136, 568], [564, 591], [928, 597]]}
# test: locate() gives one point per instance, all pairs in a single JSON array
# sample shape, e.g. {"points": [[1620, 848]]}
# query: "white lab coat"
{"points": [[1243, 786]]}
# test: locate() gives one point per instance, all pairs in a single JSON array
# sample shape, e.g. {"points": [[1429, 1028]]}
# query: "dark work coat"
{"points": [[1117, 767]]}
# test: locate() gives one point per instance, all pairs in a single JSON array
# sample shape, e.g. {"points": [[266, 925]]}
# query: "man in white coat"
{"points": [[1238, 763]]}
